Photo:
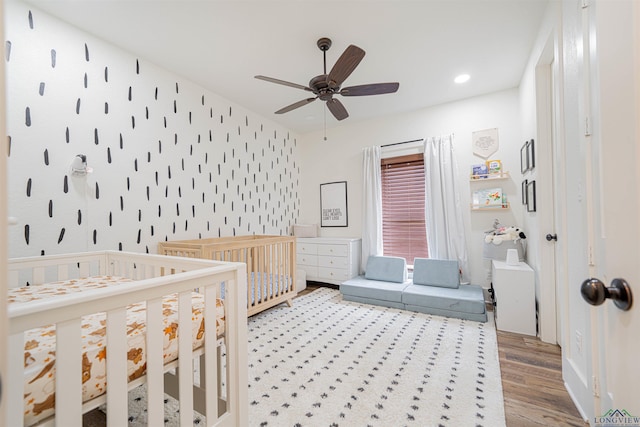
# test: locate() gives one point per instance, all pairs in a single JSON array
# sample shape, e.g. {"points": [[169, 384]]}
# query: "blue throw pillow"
{"points": [[436, 272], [386, 269]]}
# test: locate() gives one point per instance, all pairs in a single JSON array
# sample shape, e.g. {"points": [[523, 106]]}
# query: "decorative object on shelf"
{"points": [[488, 198], [494, 167], [531, 196], [524, 192], [479, 171], [333, 204], [485, 142], [531, 155]]}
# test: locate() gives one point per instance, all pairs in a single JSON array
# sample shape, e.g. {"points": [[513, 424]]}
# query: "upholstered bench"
{"points": [[382, 284], [436, 289]]}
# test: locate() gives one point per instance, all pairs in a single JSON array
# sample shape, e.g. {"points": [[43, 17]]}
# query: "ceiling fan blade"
{"points": [[370, 89], [295, 105], [345, 65], [282, 82], [337, 109]]}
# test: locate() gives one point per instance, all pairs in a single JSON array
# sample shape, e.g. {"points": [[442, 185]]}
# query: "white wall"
{"points": [[171, 160], [339, 158]]}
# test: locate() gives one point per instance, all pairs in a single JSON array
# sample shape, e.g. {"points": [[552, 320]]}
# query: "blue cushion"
{"points": [[466, 299], [386, 269], [373, 289], [436, 272]]}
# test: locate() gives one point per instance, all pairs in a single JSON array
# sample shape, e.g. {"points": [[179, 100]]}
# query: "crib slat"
{"points": [[185, 356], [68, 367], [116, 366], [155, 383], [38, 276], [211, 380], [14, 394]]}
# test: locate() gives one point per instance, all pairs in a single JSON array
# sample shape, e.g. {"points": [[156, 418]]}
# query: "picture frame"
{"points": [[524, 161], [524, 191], [531, 196], [333, 204], [531, 155]]}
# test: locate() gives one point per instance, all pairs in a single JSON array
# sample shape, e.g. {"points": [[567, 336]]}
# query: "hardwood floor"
{"points": [[534, 393]]}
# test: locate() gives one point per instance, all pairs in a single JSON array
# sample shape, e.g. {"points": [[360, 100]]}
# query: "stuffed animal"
{"points": [[504, 233]]}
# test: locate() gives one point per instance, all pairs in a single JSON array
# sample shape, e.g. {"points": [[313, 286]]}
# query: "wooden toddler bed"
{"points": [[123, 319], [270, 260]]}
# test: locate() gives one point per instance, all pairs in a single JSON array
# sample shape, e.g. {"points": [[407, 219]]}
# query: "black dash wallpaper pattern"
{"points": [[171, 160]]}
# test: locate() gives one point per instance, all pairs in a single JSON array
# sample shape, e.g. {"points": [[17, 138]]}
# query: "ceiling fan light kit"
{"points": [[325, 86]]}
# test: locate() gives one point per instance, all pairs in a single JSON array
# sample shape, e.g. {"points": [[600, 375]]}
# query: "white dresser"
{"points": [[328, 260], [515, 297]]}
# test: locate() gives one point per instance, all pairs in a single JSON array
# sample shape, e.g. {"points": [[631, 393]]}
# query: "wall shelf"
{"points": [[489, 177], [504, 206]]}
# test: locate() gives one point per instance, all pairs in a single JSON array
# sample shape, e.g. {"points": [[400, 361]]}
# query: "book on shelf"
{"points": [[479, 171], [494, 166], [489, 198]]}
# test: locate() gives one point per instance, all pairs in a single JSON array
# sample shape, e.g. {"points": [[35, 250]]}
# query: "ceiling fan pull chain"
{"points": [[324, 110]]}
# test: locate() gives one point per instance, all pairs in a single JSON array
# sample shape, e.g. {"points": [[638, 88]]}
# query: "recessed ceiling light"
{"points": [[462, 78]]}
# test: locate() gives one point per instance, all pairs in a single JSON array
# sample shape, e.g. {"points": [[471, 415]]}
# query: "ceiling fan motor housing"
{"points": [[320, 87]]}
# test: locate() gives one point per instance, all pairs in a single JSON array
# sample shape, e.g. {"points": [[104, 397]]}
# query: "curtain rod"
{"points": [[404, 142]]}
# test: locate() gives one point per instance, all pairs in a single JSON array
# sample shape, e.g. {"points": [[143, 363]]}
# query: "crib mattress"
{"points": [[40, 343]]}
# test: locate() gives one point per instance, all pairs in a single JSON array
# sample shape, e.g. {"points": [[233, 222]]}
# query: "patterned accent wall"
{"points": [[171, 160]]}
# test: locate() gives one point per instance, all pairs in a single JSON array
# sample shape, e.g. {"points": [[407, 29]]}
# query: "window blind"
{"points": [[403, 219]]}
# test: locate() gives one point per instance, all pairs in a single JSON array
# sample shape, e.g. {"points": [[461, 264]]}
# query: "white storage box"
{"points": [[305, 230], [499, 252]]}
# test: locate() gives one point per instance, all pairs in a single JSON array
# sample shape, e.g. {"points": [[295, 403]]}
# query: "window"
{"points": [[403, 224]]}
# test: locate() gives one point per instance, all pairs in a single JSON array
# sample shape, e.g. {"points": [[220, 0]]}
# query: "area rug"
{"points": [[329, 362]]}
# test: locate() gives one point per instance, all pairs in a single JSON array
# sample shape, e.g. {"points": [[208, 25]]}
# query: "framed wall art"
{"points": [[531, 196], [531, 155], [333, 204], [524, 192], [524, 163]]}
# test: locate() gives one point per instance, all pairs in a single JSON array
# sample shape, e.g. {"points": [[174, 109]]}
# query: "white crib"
{"points": [[153, 277]]}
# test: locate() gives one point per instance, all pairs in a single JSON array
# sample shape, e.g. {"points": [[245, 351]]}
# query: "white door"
{"points": [[3, 230], [616, 139], [602, 132]]}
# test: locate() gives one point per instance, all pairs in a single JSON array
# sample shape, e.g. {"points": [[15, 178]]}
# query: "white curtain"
{"points": [[445, 226], [371, 204]]}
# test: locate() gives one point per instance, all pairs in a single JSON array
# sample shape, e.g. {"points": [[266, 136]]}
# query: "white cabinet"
{"points": [[328, 260], [514, 295]]}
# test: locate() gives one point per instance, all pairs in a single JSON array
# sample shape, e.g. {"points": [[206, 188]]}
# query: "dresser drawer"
{"points": [[333, 262], [333, 274], [311, 270], [306, 259], [307, 248], [333, 250]]}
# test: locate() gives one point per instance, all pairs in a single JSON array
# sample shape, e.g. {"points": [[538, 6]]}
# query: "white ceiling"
{"points": [[222, 44]]}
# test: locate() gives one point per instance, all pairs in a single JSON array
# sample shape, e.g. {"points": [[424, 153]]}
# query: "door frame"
{"points": [[547, 118]]}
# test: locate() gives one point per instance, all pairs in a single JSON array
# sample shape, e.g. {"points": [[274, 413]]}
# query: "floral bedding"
{"points": [[40, 343]]}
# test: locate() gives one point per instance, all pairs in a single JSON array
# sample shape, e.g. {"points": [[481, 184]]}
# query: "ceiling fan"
{"points": [[325, 86]]}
